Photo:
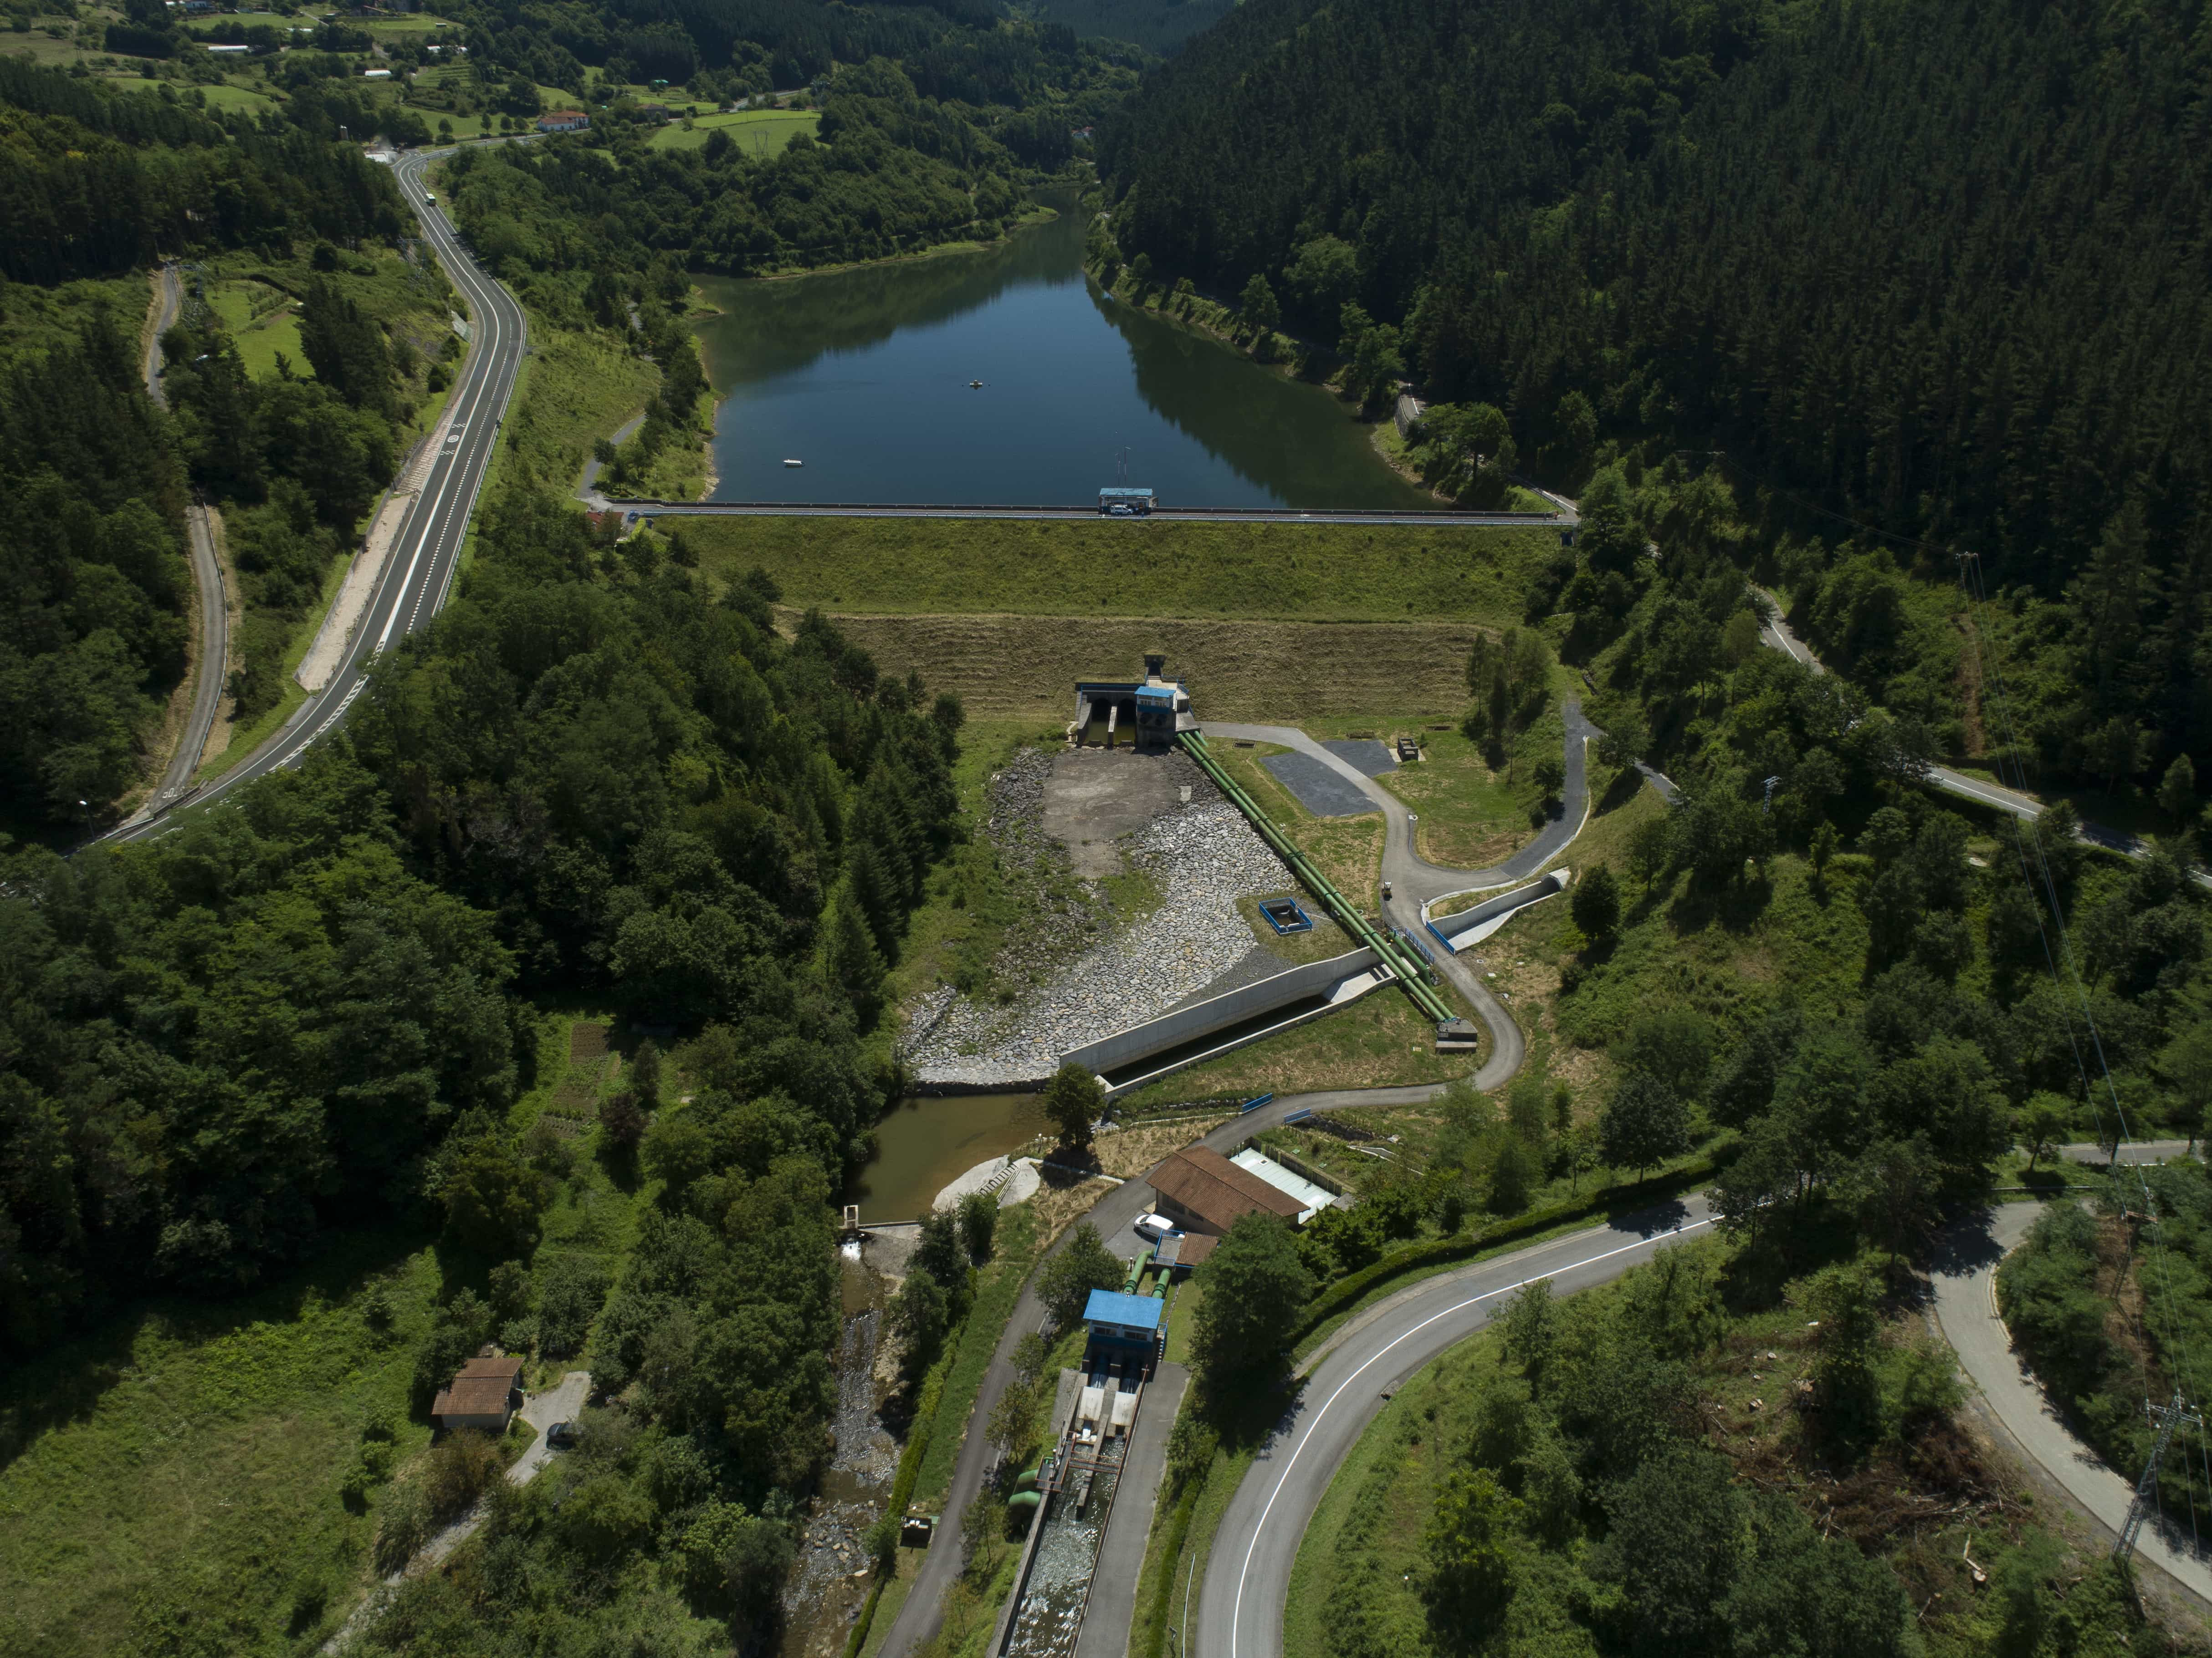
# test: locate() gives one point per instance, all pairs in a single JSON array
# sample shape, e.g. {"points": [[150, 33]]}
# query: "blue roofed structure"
{"points": [[1114, 1316], [1157, 707]]}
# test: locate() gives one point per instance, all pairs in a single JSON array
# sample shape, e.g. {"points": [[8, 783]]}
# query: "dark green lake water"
{"points": [[863, 376], [926, 1143]]}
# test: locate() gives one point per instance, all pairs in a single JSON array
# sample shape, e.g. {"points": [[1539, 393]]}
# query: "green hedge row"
{"points": [[1346, 1291], [925, 1428], [909, 1470], [858, 1637]]}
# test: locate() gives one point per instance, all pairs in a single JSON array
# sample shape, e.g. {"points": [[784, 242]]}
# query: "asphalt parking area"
{"points": [[1322, 789], [1369, 756]]}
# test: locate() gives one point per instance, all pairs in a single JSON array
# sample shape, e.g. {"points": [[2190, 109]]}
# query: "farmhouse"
{"points": [[1202, 1191], [482, 1395]]}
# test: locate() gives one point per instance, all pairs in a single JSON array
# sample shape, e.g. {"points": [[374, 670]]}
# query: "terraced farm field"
{"points": [[1104, 567], [1294, 672]]}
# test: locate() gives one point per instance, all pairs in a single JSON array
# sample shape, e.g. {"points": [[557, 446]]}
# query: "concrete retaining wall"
{"points": [[1197, 1056], [1218, 1013], [1450, 926]]}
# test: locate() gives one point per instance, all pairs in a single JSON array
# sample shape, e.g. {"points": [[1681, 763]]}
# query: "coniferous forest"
{"points": [[1942, 271]]}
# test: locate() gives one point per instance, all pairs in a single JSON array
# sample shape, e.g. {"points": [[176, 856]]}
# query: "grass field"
{"points": [[578, 389], [387, 28], [1379, 1040], [221, 97], [410, 300], [260, 319], [762, 131], [170, 1482], [180, 1468], [41, 48], [1471, 817], [1086, 568], [1011, 666]]}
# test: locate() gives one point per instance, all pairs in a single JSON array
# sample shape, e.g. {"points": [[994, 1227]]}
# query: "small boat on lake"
{"points": [[794, 462]]}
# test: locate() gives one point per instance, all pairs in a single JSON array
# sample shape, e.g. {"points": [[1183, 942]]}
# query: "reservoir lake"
{"points": [[863, 375]]}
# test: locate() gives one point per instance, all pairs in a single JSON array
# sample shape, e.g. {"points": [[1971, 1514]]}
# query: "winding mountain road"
{"points": [[212, 655], [1247, 1575], [212, 658], [426, 551], [1776, 634], [1963, 1278], [923, 1609]]}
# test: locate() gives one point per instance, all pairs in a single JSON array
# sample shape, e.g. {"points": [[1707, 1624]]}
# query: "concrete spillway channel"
{"points": [[1129, 1058]]}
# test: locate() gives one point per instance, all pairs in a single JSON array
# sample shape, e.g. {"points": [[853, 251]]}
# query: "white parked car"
{"points": [[1152, 1227]]}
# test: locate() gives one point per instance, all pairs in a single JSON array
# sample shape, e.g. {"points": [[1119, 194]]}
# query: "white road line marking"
{"points": [[1237, 1609]]}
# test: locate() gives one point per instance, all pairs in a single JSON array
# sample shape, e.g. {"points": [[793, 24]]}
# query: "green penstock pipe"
{"points": [[1392, 954], [1354, 923]]}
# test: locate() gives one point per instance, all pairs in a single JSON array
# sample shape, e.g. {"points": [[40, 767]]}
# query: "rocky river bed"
{"points": [[829, 1577]]}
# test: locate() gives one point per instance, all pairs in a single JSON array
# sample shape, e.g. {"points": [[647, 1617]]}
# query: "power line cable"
{"points": [[2025, 838], [2180, 1360]]}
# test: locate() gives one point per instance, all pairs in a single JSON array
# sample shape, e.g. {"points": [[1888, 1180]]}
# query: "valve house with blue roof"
{"points": [[1123, 501], [1121, 1321], [1152, 709]]}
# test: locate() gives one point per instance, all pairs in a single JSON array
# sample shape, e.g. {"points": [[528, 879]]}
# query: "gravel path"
{"points": [[1205, 857]]}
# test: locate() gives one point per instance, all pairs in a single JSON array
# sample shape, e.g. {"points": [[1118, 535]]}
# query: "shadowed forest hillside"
{"points": [[1941, 271]]}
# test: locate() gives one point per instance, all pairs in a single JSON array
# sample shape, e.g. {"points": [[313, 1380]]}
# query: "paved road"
{"points": [[1775, 633], [1247, 1575], [591, 497], [427, 549], [1416, 884], [1964, 1280], [207, 583], [921, 1612], [1112, 1607], [208, 670]]}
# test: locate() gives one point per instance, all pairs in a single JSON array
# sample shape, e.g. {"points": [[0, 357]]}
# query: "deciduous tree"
{"points": [[1643, 1124], [1069, 1275], [1256, 1287], [1072, 1101]]}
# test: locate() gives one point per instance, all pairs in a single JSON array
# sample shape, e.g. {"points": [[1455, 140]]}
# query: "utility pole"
{"points": [[2168, 1418]]}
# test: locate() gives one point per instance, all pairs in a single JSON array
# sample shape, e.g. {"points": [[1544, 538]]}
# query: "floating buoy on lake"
{"points": [[794, 462]]}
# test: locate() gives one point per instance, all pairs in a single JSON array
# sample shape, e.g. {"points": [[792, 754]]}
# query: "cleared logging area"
{"points": [[1013, 667], [1308, 571]]}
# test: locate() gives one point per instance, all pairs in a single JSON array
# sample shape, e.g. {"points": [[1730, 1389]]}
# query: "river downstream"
{"points": [[864, 376]]}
